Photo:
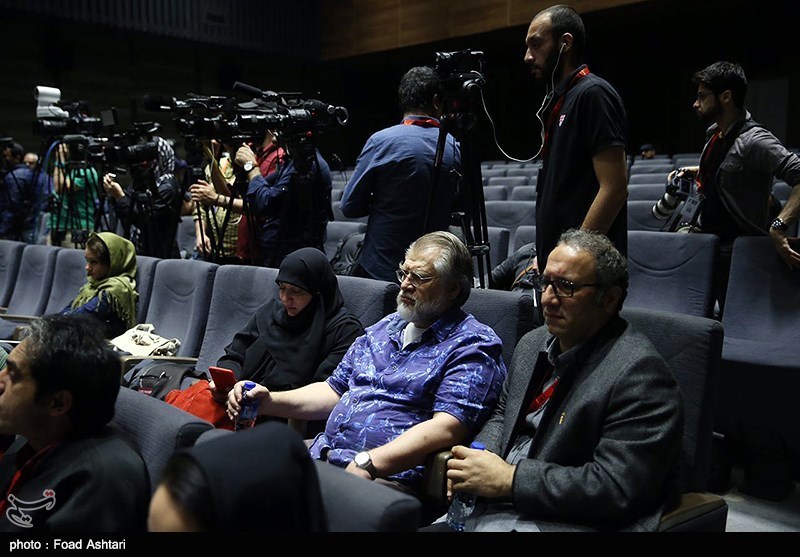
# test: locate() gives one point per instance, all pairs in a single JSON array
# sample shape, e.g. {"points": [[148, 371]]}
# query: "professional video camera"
{"points": [[680, 192], [112, 149], [55, 118], [225, 118], [461, 73]]}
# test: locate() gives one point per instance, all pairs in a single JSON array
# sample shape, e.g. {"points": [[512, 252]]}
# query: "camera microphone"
{"points": [[159, 103], [255, 92]]}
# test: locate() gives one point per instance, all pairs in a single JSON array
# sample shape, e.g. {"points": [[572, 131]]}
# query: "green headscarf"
{"points": [[119, 286]]}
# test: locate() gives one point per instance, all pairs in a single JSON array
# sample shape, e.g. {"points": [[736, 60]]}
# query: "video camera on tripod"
{"points": [[461, 73], [55, 118], [681, 204]]}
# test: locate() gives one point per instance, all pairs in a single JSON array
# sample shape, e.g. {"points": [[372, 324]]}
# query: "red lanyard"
{"points": [[23, 472], [423, 122], [551, 122], [540, 400], [708, 150]]}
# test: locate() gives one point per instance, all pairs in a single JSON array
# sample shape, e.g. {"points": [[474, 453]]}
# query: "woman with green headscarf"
{"points": [[109, 294]]}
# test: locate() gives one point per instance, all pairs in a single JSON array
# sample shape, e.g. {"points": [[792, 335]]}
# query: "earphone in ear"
{"points": [[563, 46]]}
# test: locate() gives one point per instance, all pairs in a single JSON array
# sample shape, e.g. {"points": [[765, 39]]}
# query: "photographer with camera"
{"points": [[584, 175], [149, 208], [394, 174], [73, 201], [737, 167], [293, 204]]}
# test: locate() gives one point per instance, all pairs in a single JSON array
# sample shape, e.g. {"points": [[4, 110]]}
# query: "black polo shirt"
{"points": [[591, 118]]}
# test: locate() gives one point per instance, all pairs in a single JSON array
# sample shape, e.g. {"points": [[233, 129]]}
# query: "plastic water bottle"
{"points": [[463, 503], [248, 412]]}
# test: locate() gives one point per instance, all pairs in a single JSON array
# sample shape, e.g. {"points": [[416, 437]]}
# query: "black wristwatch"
{"points": [[779, 225], [364, 461]]}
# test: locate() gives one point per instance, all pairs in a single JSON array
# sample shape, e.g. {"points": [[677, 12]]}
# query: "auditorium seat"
{"points": [[339, 216], [368, 299], [495, 193], [760, 362], [523, 193], [648, 179], [645, 192], [509, 182], [180, 300], [145, 273], [337, 231], [660, 169], [186, 236], [155, 429], [525, 235], [510, 215], [32, 286], [498, 245], [640, 216], [509, 314], [672, 271], [10, 257]]}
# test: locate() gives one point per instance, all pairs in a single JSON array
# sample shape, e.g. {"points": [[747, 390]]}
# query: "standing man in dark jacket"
{"points": [[739, 163]]}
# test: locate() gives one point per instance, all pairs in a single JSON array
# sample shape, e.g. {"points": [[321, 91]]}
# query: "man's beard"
{"points": [[421, 312], [549, 70], [709, 117]]}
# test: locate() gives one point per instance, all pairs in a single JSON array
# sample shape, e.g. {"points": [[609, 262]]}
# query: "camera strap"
{"points": [[551, 121]]}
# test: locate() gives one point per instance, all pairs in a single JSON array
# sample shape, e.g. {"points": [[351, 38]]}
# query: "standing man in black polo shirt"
{"points": [[583, 180]]}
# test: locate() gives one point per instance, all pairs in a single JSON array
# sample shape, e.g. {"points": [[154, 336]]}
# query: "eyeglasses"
{"points": [[416, 280], [562, 287]]}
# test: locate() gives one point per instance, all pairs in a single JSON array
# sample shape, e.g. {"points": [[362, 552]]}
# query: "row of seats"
{"points": [[204, 304]]}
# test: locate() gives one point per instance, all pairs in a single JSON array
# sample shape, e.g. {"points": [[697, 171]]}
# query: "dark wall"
{"points": [[648, 51]]}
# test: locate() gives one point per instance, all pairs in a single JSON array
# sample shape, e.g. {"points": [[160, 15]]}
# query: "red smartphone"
{"points": [[224, 378]]}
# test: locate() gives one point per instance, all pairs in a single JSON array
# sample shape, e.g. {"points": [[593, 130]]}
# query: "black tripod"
{"points": [[472, 219]]}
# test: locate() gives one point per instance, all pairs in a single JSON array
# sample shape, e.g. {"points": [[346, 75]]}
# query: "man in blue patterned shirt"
{"points": [[422, 379]]}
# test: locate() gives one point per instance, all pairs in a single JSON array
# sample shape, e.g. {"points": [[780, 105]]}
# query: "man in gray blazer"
{"points": [[587, 432]]}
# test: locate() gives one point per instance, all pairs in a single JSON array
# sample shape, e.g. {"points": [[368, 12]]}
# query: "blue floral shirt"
{"points": [[455, 367]]}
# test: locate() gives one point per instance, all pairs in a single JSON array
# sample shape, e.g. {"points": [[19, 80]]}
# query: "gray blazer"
{"points": [[606, 453]]}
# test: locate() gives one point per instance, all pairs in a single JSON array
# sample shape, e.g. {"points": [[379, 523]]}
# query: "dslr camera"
{"points": [[680, 193]]}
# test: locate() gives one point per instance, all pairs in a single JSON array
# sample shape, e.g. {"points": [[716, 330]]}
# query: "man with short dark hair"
{"points": [[584, 176], [647, 151], [739, 163], [416, 382], [67, 471], [588, 429], [394, 174]]}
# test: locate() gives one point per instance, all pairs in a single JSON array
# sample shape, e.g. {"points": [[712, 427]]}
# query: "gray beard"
{"points": [[421, 312]]}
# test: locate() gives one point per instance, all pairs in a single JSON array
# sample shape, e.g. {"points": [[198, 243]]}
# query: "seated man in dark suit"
{"points": [[587, 432], [66, 471]]}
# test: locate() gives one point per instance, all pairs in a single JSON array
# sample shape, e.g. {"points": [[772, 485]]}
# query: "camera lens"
{"points": [[665, 207]]}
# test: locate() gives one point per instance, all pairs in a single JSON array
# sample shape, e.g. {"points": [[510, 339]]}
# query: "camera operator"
{"points": [[22, 198], [75, 194], [584, 176], [394, 174], [737, 167], [215, 195], [149, 211], [292, 204]]}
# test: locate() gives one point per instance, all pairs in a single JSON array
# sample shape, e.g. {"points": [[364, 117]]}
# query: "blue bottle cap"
{"points": [[249, 385], [477, 445]]}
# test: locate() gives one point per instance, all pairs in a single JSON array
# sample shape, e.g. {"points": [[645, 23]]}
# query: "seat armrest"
{"points": [[433, 488], [696, 512], [19, 318]]}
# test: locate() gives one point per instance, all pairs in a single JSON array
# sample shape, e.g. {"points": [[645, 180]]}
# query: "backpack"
{"points": [[347, 252], [157, 378]]}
